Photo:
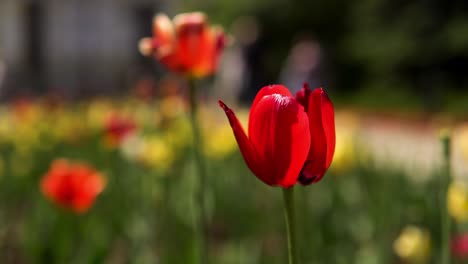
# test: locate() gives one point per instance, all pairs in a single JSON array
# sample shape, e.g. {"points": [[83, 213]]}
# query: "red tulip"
{"points": [[186, 45], [74, 186], [460, 246], [286, 144], [117, 128]]}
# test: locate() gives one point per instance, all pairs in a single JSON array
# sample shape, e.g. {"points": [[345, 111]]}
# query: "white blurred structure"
{"points": [[233, 73], [397, 144], [303, 65], [401, 146]]}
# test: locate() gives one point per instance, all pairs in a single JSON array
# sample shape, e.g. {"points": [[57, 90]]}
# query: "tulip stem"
{"points": [[445, 181], [200, 218], [289, 214]]}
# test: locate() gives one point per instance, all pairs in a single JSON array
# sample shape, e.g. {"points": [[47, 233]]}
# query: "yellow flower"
{"points": [[220, 142], [345, 150], [178, 134], [25, 138], [6, 127], [156, 153], [460, 152], [143, 114], [97, 112], [170, 108], [457, 201], [461, 140], [413, 245], [218, 138], [66, 126]]}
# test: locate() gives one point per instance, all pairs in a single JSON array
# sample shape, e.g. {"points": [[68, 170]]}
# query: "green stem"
{"points": [[445, 180], [289, 214], [200, 225]]}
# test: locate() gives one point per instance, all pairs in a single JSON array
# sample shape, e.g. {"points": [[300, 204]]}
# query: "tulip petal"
{"points": [[183, 20], [164, 34], [245, 145], [145, 46], [303, 96], [51, 185], [322, 132], [279, 132], [267, 90], [191, 30], [328, 122], [163, 42], [214, 40], [88, 185]]}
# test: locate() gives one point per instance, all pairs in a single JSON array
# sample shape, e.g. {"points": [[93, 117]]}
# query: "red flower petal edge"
{"points": [[321, 115]]}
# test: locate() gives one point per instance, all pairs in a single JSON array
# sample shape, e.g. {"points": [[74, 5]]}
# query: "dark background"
{"points": [[375, 53]]}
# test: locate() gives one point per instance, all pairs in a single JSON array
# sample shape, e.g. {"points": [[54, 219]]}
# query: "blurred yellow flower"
{"points": [[345, 150], [178, 134], [457, 201], [218, 138], [143, 114], [459, 144], [25, 138], [156, 153], [67, 126], [171, 107], [6, 127], [219, 141], [97, 113], [413, 245], [461, 140]]}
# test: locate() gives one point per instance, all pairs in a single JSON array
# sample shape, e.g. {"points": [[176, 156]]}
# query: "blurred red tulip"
{"points": [[144, 89], [460, 246], [319, 109], [21, 107], [285, 143], [118, 127], [74, 186], [186, 45]]}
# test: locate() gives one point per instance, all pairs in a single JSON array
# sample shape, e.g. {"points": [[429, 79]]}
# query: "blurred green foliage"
{"points": [[145, 214], [378, 52]]}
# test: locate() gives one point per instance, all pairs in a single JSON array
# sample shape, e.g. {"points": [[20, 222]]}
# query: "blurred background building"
{"points": [[73, 46]]}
